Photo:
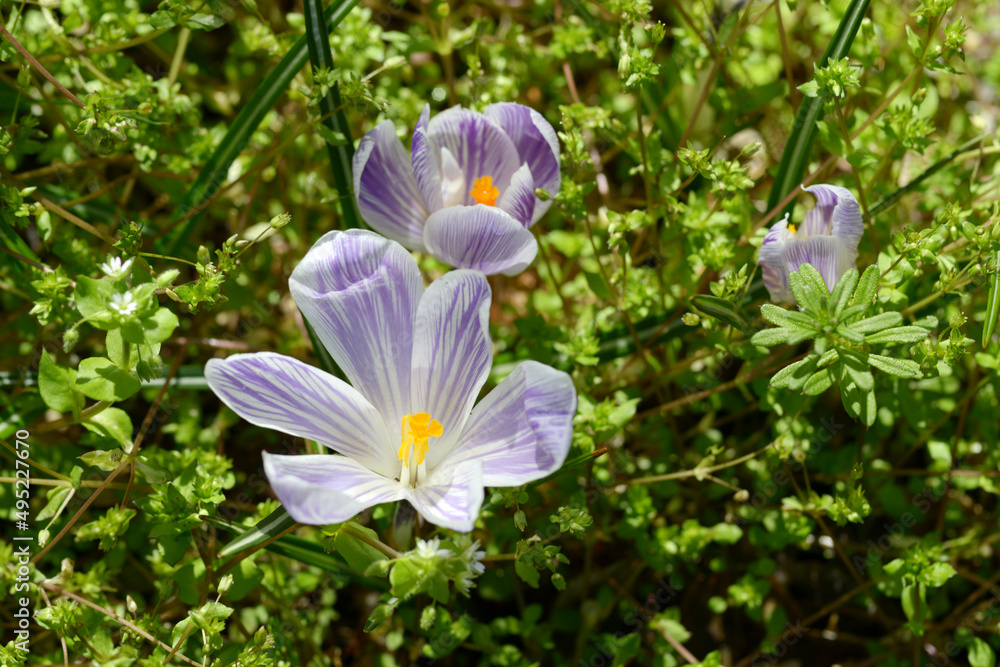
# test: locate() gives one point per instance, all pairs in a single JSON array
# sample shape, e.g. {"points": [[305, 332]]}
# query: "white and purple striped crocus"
{"points": [[828, 239], [406, 427], [466, 192]]}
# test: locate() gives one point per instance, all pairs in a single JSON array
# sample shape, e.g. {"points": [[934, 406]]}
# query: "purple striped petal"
{"points": [[484, 238], [828, 254], [452, 353], [841, 210], [425, 165], [284, 394], [772, 262], [451, 497], [522, 430], [322, 489], [519, 199], [776, 282], [360, 291], [537, 145], [386, 187], [479, 146]]}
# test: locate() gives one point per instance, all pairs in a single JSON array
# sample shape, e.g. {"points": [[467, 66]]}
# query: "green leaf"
{"points": [[112, 423], [820, 381], [903, 368], [204, 22], [842, 291], [334, 117], [599, 286], [57, 385], [787, 318], [809, 273], [992, 306], [153, 328], [162, 20], [100, 379], [850, 334], [853, 311], [358, 554], [721, 309], [897, 335], [57, 497], [797, 372], [981, 654], [527, 572], [877, 322], [405, 578], [769, 337], [798, 149], [308, 553], [105, 459], [273, 524], [214, 172], [91, 295], [805, 296], [857, 370]]}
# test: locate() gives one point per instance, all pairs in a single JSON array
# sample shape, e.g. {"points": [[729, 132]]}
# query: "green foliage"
{"points": [[843, 331], [716, 493]]}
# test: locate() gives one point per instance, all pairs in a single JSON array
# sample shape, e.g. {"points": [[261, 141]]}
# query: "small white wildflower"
{"points": [[123, 304], [431, 549], [115, 267], [471, 557]]}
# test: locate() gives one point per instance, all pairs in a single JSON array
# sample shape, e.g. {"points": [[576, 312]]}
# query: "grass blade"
{"points": [[889, 201], [273, 524], [305, 552], [992, 306], [213, 173], [318, 39], [795, 157]]}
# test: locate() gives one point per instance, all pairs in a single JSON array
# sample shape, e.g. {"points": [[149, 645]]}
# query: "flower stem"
{"points": [[370, 541]]}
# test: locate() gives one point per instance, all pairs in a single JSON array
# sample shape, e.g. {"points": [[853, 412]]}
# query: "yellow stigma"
{"points": [[484, 192], [417, 429]]}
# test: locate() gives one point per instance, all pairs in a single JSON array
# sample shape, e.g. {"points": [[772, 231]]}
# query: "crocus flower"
{"points": [[407, 428], [466, 192], [828, 239]]}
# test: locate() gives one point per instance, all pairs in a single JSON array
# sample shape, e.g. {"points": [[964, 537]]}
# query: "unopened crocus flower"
{"points": [[828, 239], [407, 427], [466, 193]]}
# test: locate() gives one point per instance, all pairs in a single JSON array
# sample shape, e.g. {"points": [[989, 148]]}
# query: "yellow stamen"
{"points": [[791, 228], [417, 429], [484, 192]]}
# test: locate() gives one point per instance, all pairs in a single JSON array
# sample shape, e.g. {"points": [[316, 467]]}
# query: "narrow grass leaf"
{"points": [[332, 108], [213, 173], [798, 149], [992, 306], [273, 524]]}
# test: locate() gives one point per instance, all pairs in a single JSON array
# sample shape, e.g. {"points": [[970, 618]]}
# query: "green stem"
{"points": [[370, 541]]}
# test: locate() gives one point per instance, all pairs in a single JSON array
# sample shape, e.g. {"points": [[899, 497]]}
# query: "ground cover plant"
{"points": [[687, 323]]}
